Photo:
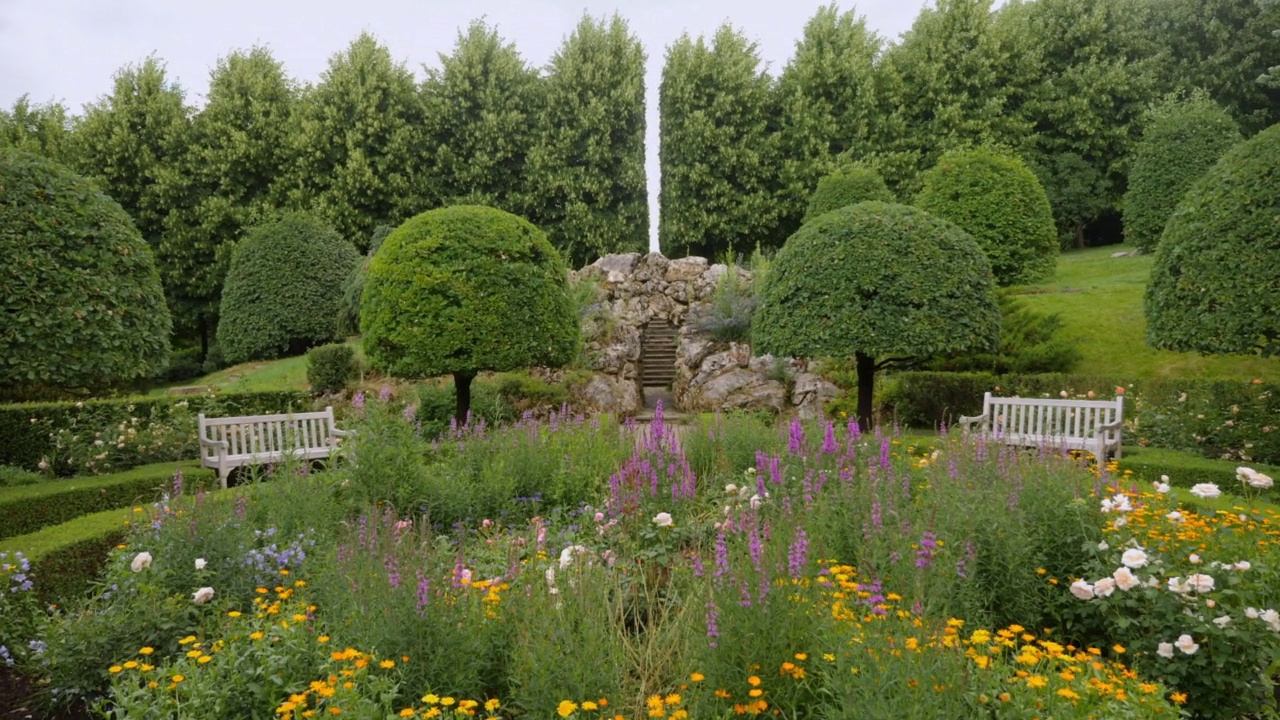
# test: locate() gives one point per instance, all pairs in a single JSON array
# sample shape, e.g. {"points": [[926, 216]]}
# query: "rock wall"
{"points": [[635, 290]]}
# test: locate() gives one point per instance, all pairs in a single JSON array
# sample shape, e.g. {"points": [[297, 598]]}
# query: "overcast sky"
{"points": [[67, 50]]}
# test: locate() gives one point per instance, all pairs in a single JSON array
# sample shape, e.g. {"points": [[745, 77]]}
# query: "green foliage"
{"points": [[42, 432], [1183, 139], [133, 142], [12, 476], [717, 150], [995, 198], [586, 171], [1077, 193], [848, 185], [726, 317], [482, 105], [331, 368], [356, 136], [282, 290], [1213, 288], [31, 507], [1030, 342], [239, 147], [827, 98], [466, 289], [67, 559], [353, 286], [82, 298], [39, 129], [877, 279]]}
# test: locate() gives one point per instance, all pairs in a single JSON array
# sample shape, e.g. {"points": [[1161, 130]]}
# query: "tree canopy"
{"points": [[465, 289], [882, 282], [1213, 288], [848, 185], [83, 303]]}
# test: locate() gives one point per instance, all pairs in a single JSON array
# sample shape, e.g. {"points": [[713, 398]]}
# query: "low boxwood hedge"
{"points": [[29, 508], [66, 558], [27, 430], [1148, 464]]}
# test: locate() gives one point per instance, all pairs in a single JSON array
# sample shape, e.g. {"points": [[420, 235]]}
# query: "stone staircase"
{"points": [[658, 355]]}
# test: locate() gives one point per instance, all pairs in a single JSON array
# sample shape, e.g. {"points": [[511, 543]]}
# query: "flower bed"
{"points": [[607, 573]]}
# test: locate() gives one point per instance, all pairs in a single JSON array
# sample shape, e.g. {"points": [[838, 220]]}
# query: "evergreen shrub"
{"points": [[331, 368], [848, 185]]}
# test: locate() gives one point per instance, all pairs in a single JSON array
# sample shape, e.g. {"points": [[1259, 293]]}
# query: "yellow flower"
{"points": [[1118, 649], [194, 653], [802, 656], [114, 669], [178, 678], [697, 677], [1036, 681], [387, 664], [672, 699], [1178, 698], [131, 664], [407, 712], [566, 708], [146, 651], [322, 639], [203, 659], [753, 681], [447, 701], [589, 705], [431, 698], [492, 704], [234, 614], [255, 636], [187, 640], [1068, 693], [335, 711]]}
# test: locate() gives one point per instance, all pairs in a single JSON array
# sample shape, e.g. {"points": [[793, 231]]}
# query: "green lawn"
{"points": [[266, 375], [1100, 300]]}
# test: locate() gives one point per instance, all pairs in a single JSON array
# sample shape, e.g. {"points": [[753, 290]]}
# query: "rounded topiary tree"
{"points": [[848, 185], [1215, 286], [880, 281], [466, 289], [1183, 140], [996, 198], [80, 296], [283, 289]]}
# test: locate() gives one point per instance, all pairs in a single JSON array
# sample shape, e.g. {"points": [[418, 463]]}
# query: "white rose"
{"points": [[1251, 613], [1175, 517], [1194, 558], [1104, 587], [1165, 650], [1186, 644], [662, 519], [203, 595], [1223, 621], [1178, 585], [1260, 481], [756, 501], [1271, 618], [1125, 579], [141, 562], [1103, 545], [1164, 478], [730, 489], [1162, 487], [551, 577], [1082, 590], [200, 563], [1244, 474], [1201, 582], [1242, 565], [1134, 558], [1120, 522], [1063, 394], [1205, 490]]}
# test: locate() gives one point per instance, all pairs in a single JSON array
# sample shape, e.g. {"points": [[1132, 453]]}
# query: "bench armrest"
{"points": [[1111, 426], [220, 445], [967, 420], [336, 433]]}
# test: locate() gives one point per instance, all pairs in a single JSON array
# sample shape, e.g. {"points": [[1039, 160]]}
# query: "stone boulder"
{"points": [[811, 393], [608, 394]]}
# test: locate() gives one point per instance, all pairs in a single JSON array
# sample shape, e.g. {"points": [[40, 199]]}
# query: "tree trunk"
{"points": [[204, 337], [866, 383], [462, 388], [1080, 236]]}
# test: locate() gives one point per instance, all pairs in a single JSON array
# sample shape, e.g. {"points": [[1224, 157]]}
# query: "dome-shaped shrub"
{"points": [[81, 305], [877, 281], [466, 289], [1215, 286], [283, 289], [996, 198], [1183, 140], [848, 185]]}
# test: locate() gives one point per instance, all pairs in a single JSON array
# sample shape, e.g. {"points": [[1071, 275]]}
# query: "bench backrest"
{"points": [[1045, 417], [265, 434]]}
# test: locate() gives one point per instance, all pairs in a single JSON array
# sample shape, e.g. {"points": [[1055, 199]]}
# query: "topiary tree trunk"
{"points": [[866, 366], [462, 393]]}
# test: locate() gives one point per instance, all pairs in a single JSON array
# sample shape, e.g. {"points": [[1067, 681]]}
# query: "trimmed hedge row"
{"points": [[1148, 464], [27, 429], [66, 558], [1229, 419], [29, 508]]}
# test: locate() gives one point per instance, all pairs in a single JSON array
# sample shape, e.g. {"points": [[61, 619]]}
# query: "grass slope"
{"points": [[1100, 300], [284, 374]]}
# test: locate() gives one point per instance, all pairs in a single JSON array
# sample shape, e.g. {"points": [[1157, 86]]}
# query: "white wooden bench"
{"points": [[1089, 425], [231, 442]]}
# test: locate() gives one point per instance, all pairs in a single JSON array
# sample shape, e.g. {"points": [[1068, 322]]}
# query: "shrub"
{"points": [[848, 185], [881, 282], [330, 368], [83, 305], [62, 435], [1030, 342], [1183, 139], [465, 289], [353, 287], [11, 476], [1213, 288], [184, 364], [996, 198], [282, 291], [727, 316]]}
